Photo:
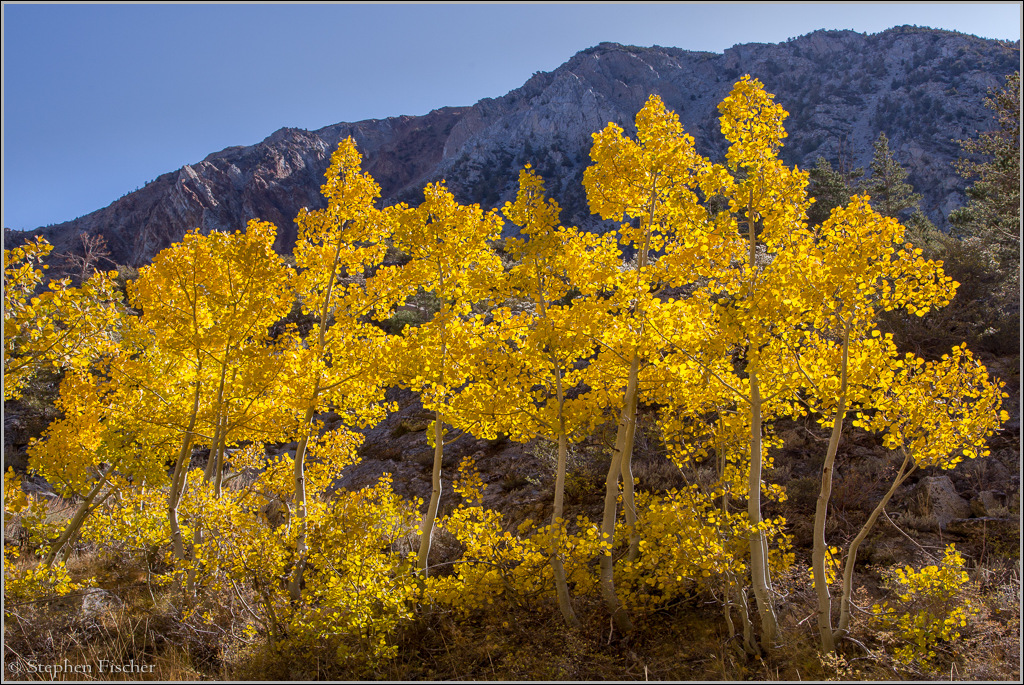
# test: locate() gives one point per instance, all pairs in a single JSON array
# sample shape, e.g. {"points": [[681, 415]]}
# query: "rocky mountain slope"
{"points": [[922, 87]]}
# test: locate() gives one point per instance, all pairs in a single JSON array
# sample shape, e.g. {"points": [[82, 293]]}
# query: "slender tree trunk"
{"points": [[427, 524], [611, 496], [557, 514], [299, 479], [851, 556], [749, 643], [75, 524], [628, 494], [180, 479], [731, 584], [218, 464], [218, 482], [210, 470], [759, 573], [177, 487], [557, 524], [820, 551], [299, 467], [210, 475], [211, 461]]}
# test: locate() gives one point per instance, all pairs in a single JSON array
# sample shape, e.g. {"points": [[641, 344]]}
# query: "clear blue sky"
{"points": [[100, 99]]}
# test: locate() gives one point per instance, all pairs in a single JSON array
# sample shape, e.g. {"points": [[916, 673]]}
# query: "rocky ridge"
{"points": [[922, 87]]}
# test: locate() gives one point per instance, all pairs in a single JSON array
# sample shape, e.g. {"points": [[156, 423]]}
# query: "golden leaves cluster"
{"points": [[227, 347]]}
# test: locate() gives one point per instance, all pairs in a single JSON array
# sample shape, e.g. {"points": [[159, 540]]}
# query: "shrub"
{"points": [[928, 608]]}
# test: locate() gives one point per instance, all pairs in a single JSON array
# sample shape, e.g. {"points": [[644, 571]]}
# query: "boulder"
{"points": [[942, 500], [96, 602], [989, 503]]}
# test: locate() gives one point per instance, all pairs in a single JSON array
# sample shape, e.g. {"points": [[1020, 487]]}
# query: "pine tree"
{"points": [[890, 193], [892, 196], [830, 188], [992, 214]]}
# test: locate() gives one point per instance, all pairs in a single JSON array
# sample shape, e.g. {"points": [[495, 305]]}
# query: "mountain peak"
{"points": [[923, 87]]}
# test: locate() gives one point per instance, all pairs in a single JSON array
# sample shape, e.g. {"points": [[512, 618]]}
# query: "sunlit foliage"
{"points": [[715, 303]]}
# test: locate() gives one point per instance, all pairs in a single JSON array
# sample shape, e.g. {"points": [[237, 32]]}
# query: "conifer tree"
{"points": [[887, 185], [830, 188], [992, 214]]}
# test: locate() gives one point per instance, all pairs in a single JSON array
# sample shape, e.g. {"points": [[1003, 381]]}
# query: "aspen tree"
{"points": [[56, 326], [832, 282], [745, 262], [341, 363], [207, 304], [532, 387], [933, 414], [23, 272], [450, 256], [650, 183], [67, 328], [862, 269], [206, 301], [770, 203], [800, 310], [80, 452]]}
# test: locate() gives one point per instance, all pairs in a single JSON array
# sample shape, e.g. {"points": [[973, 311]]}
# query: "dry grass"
{"points": [[686, 641], [123, 638], [140, 624]]}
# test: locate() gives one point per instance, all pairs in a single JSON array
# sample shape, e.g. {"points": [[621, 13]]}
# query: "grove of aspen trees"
{"points": [[715, 303]]}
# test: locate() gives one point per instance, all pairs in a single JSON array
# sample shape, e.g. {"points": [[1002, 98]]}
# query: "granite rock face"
{"points": [[924, 88]]}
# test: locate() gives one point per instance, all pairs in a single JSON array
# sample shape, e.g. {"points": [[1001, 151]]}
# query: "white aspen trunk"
{"points": [[208, 474], [820, 551], [561, 585], [611, 496], [180, 479], [759, 573], [628, 487], [760, 576], [851, 556], [628, 494], [557, 513], [211, 461], [299, 478], [299, 468], [427, 524], [75, 524], [218, 468]]}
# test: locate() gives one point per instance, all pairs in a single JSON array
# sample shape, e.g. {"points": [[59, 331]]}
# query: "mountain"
{"points": [[922, 87]]}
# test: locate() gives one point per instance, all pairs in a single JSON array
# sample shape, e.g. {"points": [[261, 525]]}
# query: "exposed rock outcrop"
{"points": [[923, 87]]}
